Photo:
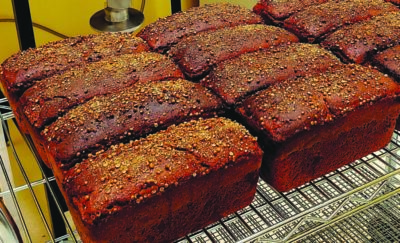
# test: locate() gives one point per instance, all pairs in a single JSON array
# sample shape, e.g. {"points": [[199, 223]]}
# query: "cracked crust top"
{"points": [[129, 174]]}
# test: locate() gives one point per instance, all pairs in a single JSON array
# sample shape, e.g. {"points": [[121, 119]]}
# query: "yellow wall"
{"points": [[69, 17]]}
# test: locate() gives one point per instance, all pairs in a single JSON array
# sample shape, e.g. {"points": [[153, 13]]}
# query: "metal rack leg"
{"points": [[176, 6], [23, 22]]}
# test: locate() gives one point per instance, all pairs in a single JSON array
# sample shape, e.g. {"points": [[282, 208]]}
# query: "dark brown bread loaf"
{"points": [[196, 55], [166, 32], [397, 2], [21, 70], [356, 43], [236, 78], [313, 125], [389, 61], [278, 10], [315, 22], [52, 97], [161, 187], [136, 111]]}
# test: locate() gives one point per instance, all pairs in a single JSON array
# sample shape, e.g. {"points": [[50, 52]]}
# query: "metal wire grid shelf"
{"points": [[335, 207]]}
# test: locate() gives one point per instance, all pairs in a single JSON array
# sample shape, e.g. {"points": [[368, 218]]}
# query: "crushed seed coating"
{"points": [[278, 10], [24, 68], [197, 54], [141, 109], [236, 78], [316, 22], [292, 106], [129, 174], [52, 97], [356, 43], [165, 32], [389, 61]]}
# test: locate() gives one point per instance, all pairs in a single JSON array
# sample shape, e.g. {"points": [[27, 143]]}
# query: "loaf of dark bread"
{"points": [[358, 42], [21, 70], [389, 61], [158, 188], [313, 125], [236, 78], [197, 54], [166, 32], [397, 2], [276, 11], [52, 97], [315, 22], [144, 108]]}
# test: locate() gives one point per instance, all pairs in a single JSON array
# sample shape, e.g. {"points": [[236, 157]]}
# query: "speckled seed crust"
{"points": [[136, 111], [165, 32], [389, 61], [287, 108], [159, 188], [278, 10], [356, 43], [24, 68], [132, 173], [197, 54], [52, 97], [316, 22], [236, 78]]}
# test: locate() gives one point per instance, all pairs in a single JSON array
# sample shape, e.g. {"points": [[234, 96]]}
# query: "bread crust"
{"points": [[51, 98], [197, 54], [315, 22], [239, 77], [166, 32], [275, 11], [23, 69], [133, 188], [304, 122], [359, 42], [137, 111]]}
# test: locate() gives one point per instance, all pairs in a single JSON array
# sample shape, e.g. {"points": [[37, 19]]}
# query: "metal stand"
{"points": [[23, 22], [176, 6]]}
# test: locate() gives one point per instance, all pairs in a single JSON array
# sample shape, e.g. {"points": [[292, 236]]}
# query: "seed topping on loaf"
{"points": [[316, 21], [235, 78], [23, 68], [281, 9], [169, 30], [52, 97], [389, 61], [197, 54], [356, 42], [145, 168], [292, 106], [131, 113]]}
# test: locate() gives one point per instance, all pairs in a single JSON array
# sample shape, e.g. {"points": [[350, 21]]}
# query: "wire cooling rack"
{"points": [[359, 202]]}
